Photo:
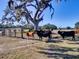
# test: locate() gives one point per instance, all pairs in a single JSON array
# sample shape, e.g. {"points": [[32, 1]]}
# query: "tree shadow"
{"points": [[58, 52], [54, 40], [74, 43], [59, 55]]}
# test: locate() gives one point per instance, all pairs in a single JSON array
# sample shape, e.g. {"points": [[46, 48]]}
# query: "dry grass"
{"points": [[17, 48], [14, 48]]}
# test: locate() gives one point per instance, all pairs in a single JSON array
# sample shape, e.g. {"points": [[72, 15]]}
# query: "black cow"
{"points": [[67, 34], [42, 33]]}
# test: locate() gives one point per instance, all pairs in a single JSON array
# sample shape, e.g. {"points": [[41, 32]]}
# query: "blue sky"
{"points": [[3, 4], [66, 13]]}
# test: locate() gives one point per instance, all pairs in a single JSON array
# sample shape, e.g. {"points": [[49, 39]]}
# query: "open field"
{"points": [[17, 48]]}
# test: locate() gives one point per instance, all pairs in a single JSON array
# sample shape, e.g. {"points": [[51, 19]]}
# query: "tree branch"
{"points": [[20, 6], [28, 14], [36, 2], [40, 19], [32, 6], [36, 14]]}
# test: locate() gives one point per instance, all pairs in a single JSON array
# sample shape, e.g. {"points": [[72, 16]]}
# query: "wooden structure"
{"points": [[11, 32]]}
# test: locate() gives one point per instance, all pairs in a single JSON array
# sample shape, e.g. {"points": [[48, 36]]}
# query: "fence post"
{"points": [[22, 32], [3, 32], [10, 33], [14, 32]]}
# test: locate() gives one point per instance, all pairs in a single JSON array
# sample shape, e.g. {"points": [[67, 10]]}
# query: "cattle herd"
{"points": [[49, 34]]}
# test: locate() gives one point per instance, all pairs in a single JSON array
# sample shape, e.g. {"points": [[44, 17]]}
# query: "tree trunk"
{"points": [[35, 26]]}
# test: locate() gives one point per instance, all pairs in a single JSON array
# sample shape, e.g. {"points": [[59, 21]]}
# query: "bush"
{"points": [[77, 25], [49, 26]]}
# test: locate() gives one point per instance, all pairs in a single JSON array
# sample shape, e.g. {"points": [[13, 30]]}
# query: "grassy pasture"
{"points": [[17, 48]]}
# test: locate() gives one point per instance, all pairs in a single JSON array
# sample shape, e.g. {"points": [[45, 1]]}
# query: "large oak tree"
{"points": [[32, 10]]}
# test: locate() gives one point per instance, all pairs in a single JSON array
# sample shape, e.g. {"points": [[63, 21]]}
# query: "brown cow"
{"points": [[30, 34], [76, 31]]}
